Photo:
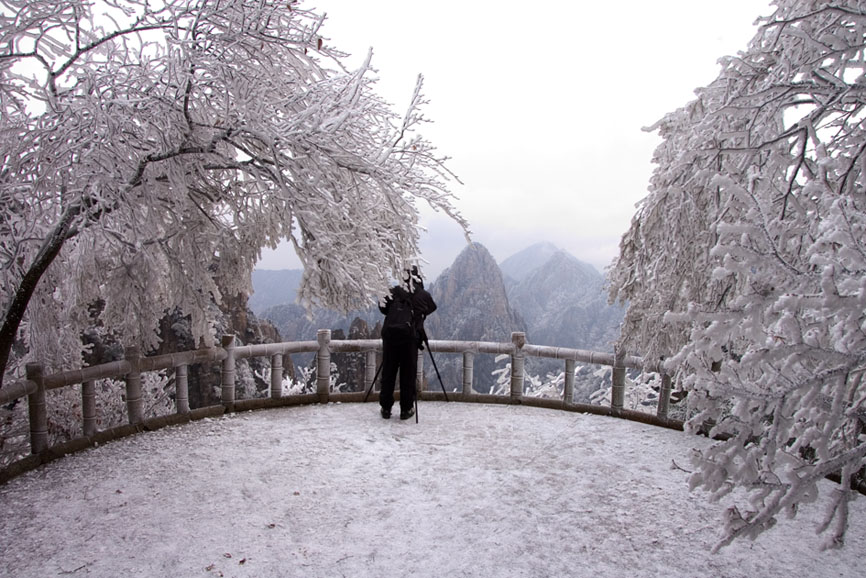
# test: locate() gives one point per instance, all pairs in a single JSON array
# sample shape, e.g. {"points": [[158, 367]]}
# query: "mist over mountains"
{"points": [[274, 287], [562, 299], [549, 294]]}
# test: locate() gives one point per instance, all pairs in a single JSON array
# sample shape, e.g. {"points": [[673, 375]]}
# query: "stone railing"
{"points": [[131, 368]]}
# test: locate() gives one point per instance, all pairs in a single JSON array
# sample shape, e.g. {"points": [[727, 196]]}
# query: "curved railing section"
{"points": [[131, 368]]}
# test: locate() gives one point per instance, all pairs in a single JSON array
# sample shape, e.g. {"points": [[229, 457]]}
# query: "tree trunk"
{"points": [[18, 306]]}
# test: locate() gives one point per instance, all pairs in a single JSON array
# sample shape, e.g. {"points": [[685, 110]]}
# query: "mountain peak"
{"points": [[476, 258], [472, 306], [525, 262], [565, 259], [563, 302], [473, 284]]}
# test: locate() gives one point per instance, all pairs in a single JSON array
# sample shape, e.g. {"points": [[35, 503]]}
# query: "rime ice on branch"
{"points": [[745, 266], [152, 149]]}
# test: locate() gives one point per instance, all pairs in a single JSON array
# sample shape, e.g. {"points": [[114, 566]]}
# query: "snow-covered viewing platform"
{"points": [[334, 490], [634, 340]]}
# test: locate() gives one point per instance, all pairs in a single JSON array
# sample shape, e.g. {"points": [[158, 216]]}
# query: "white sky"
{"points": [[541, 109]]}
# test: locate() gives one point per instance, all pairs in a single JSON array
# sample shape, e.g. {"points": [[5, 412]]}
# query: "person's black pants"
{"points": [[399, 354]]}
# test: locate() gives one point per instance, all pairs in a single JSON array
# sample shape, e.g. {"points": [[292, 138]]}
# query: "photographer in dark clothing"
{"points": [[403, 335]]}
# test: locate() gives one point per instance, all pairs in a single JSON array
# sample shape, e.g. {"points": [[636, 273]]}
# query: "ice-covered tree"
{"points": [[745, 266], [151, 149]]}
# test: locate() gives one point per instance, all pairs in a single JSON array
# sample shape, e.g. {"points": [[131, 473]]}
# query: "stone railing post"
{"points": [[229, 373], [134, 402], [468, 371], [369, 369], [181, 388], [37, 410], [518, 338], [277, 375], [323, 365], [664, 396], [617, 392], [568, 388], [88, 408]]}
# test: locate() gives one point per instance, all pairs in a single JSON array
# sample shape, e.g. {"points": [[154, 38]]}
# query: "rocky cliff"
{"points": [[564, 304], [294, 324], [472, 306], [233, 318]]}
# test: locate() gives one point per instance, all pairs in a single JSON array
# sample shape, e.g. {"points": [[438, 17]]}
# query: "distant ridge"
{"points": [[520, 265], [542, 290], [564, 303]]}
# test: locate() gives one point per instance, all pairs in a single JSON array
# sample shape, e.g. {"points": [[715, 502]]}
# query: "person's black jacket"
{"points": [[422, 306]]}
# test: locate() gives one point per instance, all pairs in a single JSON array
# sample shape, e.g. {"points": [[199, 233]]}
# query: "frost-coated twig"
{"points": [[186, 136], [744, 267]]}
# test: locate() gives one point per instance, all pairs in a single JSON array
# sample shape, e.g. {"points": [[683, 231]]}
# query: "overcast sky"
{"points": [[540, 108]]}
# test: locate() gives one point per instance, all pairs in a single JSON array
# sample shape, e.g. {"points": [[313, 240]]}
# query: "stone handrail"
{"points": [[134, 364]]}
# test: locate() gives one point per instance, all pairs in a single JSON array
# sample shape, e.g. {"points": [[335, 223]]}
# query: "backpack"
{"points": [[400, 320]]}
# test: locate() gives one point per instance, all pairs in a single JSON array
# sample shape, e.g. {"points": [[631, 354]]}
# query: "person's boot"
{"points": [[386, 413], [407, 414]]}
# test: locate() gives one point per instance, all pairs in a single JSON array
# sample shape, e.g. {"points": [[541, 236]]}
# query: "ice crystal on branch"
{"points": [[152, 150], [745, 266]]}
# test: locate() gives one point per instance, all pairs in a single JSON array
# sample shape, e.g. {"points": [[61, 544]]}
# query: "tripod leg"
{"points": [[442, 385], [372, 383]]}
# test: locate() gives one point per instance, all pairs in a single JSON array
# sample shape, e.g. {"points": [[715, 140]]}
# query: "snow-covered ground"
{"points": [[334, 490]]}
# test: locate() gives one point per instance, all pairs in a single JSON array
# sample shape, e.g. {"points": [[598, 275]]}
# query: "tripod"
{"points": [[372, 383], [432, 360]]}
